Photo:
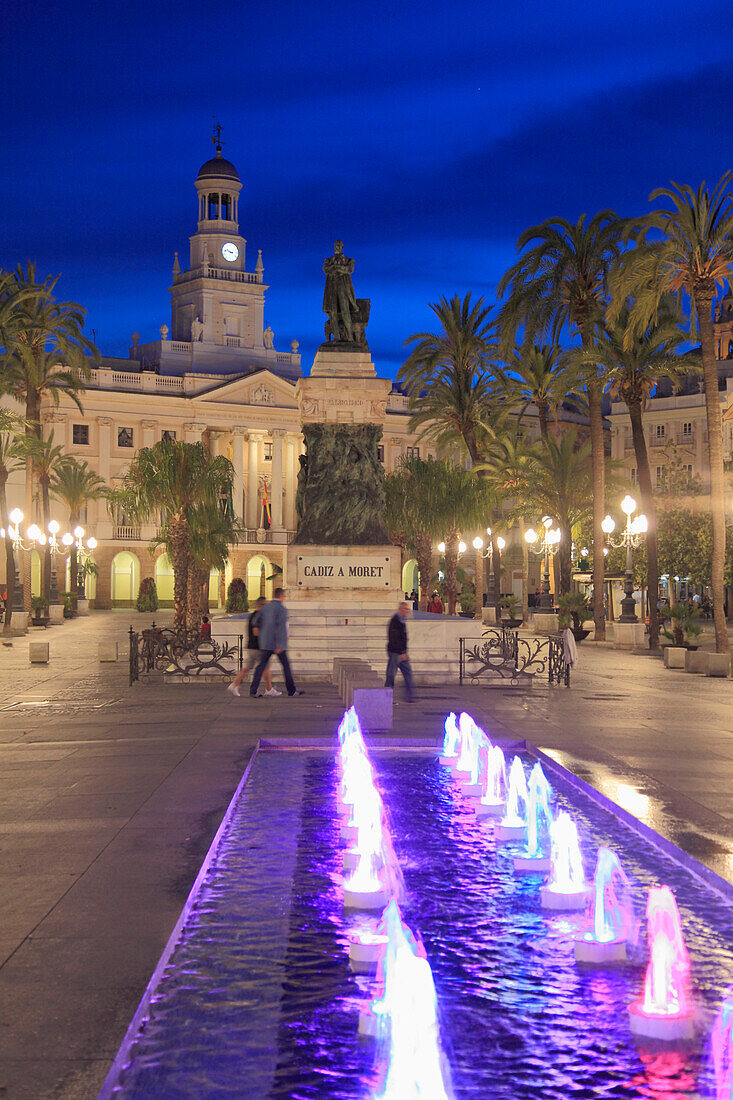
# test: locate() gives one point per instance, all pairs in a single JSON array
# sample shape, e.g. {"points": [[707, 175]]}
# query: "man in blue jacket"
{"points": [[273, 638], [397, 651]]}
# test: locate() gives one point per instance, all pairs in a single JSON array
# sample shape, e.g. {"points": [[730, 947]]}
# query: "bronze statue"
{"points": [[347, 314]]}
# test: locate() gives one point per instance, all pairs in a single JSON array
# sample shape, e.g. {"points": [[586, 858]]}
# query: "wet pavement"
{"points": [[110, 795]]}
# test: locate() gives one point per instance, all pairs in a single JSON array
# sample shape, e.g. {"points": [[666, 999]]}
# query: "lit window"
{"points": [[124, 437], [80, 435], [660, 431], [687, 429]]}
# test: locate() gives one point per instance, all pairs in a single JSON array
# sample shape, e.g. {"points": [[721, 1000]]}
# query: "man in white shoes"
{"points": [[273, 640], [252, 654]]}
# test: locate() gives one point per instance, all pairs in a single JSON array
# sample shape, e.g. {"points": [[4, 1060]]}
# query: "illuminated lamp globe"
{"points": [[78, 532], [34, 532], [639, 525], [2, 532], [478, 543], [92, 543], [605, 551], [441, 547], [54, 527], [67, 539], [546, 522], [500, 542], [608, 525], [41, 539], [628, 505], [461, 547], [16, 517], [488, 531], [530, 535]]}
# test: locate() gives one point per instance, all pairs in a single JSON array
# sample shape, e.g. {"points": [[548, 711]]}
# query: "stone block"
{"points": [[718, 664], [373, 681], [339, 663], [629, 635], [545, 623], [108, 651], [56, 613], [38, 653], [696, 660], [674, 656], [488, 615], [82, 607], [19, 622], [373, 705]]}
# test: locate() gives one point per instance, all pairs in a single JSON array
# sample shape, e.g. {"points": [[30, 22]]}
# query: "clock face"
{"points": [[229, 251]]}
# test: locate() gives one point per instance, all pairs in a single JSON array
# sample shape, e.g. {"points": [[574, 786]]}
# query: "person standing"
{"points": [[397, 651], [436, 604], [253, 653], [273, 639]]}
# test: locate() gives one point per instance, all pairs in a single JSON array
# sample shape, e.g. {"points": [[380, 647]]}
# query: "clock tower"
{"points": [[217, 301]]}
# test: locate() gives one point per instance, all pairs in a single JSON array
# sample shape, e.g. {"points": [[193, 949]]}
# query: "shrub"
{"points": [[237, 595], [38, 603], [512, 605], [147, 597]]}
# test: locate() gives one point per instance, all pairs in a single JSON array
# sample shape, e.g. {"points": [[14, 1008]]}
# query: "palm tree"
{"points": [[11, 458], [48, 459], [410, 516], [541, 375], [634, 363], [74, 484], [693, 256], [213, 531], [175, 480], [560, 282]]}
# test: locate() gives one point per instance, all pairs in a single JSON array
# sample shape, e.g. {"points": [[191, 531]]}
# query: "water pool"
{"points": [[257, 999]]}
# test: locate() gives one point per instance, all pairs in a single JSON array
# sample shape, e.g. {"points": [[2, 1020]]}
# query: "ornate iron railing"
{"points": [[502, 653], [162, 649]]}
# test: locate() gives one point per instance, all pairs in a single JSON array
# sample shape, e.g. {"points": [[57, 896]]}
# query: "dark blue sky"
{"points": [[426, 135]]}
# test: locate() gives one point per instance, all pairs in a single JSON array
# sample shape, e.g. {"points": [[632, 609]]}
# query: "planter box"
{"points": [[674, 656], [56, 613], [629, 635], [696, 660], [545, 622], [38, 653], [718, 664]]}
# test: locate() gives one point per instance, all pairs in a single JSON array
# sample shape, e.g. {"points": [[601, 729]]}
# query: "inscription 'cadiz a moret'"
{"points": [[343, 571]]}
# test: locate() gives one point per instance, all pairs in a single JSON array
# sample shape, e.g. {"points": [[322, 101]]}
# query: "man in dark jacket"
{"points": [[397, 650], [273, 639]]}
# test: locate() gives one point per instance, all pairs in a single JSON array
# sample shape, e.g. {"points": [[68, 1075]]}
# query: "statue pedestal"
{"points": [[343, 388], [344, 576]]}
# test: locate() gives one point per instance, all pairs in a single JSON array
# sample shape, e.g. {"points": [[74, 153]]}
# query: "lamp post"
{"points": [[481, 556], [16, 518], [630, 538], [546, 543]]}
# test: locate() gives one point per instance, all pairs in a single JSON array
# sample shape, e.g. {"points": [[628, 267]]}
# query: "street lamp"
{"points": [[630, 538], [478, 543], [545, 543], [16, 518]]}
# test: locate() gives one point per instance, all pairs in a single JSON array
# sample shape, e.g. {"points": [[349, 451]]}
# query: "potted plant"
{"points": [[40, 611], [682, 619], [511, 605], [573, 610], [69, 601], [467, 602], [237, 600], [147, 596]]}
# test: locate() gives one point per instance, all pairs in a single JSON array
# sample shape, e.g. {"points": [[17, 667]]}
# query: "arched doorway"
{"points": [[214, 587], [125, 578], [410, 577], [164, 580], [259, 568]]}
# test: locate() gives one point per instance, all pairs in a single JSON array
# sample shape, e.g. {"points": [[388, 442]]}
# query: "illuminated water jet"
{"points": [[611, 922], [567, 888], [721, 1049], [451, 741], [665, 1011], [513, 825], [493, 772], [536, 858]]}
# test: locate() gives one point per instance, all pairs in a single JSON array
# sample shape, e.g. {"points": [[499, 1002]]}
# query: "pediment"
{"points": [[261, 389]]}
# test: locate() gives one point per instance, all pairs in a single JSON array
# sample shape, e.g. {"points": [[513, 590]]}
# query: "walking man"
{"points": [[252, 653], [397, 650], [273, 638]]}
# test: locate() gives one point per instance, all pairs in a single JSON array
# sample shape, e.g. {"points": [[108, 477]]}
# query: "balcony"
{"points": [[126, 534]]}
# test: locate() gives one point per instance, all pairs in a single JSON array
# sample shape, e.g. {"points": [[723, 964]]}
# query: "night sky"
{"points": [[426, 135]]}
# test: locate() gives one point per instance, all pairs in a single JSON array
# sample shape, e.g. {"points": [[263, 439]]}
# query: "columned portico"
{"points": [[253, 463]]}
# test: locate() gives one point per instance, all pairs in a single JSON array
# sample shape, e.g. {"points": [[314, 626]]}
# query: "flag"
{"points": [[266, 505]]}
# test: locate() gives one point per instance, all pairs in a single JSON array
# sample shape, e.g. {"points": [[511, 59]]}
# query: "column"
{"points": [[253, 465], [148, 427], [194, 432], [291, 481], [104, 428], [238, 433], [277, 478]]}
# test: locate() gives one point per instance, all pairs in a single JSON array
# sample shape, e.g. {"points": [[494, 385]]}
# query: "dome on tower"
{"points": [[218, 168]]}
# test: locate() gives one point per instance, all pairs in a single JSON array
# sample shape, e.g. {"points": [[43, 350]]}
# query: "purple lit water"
{"points": [[259, 1000]]}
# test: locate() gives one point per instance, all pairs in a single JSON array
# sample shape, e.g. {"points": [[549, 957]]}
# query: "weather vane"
{"points": [[216, 139]]}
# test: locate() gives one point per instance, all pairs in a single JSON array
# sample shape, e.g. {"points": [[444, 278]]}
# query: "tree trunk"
{"points": [[197, 594], [424, 555], [46, 561], [32, 428], [73, 561], [525, 571], [543, 418], [650, 510], [451, 564], [598, 456], [704, 307], [9, 557], [179, 542], [564, 559]]}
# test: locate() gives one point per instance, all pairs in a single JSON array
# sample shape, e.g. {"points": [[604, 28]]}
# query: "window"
{"points": [[380, 452], [659, 431], [688, 468], [80, 435], [268, 452], [632, 474], [660, 473], [413, 452], [687, 430], [169, 435], [124, 437]]}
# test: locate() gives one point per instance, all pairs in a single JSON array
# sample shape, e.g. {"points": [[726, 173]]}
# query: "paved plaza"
{"points": [[110, 797]]}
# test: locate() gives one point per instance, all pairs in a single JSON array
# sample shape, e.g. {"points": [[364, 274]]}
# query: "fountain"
{"points": [[536, 856], [721, 1044], [611, 916], [567, 888], [465, 765], [665, 1011], [513, 825], [493, 772], [451, 741]]}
